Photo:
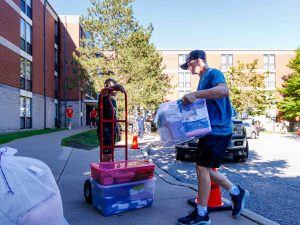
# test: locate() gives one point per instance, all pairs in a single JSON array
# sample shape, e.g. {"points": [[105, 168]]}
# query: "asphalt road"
{"points": [[271, 174]]}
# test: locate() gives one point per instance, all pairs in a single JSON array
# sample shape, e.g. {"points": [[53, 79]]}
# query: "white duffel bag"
{"points": [[28, 192]]}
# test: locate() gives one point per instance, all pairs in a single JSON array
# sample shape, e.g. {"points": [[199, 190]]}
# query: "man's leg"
{"points": [[220, 179], [199, 215], [204, 185], [239, 196]]}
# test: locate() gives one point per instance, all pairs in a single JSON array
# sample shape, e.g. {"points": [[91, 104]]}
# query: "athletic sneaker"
{"points": [[194, 219], [239, 202]]}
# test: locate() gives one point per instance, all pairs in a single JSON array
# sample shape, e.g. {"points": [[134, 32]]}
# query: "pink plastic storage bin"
{"points": [[108, 173]]}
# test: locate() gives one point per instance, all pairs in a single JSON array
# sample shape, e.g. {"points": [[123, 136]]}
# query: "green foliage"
{"points": [[120, 48], [247, 88], [289, 106]]}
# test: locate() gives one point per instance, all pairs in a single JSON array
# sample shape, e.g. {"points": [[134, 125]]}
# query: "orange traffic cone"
{"points": [[135, 144], [214, 200]]}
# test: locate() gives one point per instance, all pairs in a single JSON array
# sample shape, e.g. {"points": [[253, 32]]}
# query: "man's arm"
{"points": [[219, 91]]}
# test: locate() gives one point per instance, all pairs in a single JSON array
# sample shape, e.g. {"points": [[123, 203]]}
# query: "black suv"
{"points": [[237, 150]]}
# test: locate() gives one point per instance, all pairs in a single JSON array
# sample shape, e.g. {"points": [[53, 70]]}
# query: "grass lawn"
{"points": [[8, 137], [86, 140]]}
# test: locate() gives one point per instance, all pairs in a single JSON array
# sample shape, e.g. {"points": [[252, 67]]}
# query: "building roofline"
{"points": [[70, 18], [51, 7]]}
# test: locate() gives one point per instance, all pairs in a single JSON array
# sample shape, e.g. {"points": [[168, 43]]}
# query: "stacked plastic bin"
{"points": [[122, 186]]}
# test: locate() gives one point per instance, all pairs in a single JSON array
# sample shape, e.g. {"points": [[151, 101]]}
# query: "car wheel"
{"points": [[180, 155], [253, 135], [244, 157], [88, 191]]}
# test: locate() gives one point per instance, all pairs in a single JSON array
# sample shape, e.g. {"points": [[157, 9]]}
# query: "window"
{"points": [[29, 11], [28, 38], [270, 80], [25, 74], [184, 83], [55, 87], [25, 34], [22, 73], [56, 60], [56, 32], [181, 59], [181, 80], [56, 115], [26, 6], [28, 76], [25, 112], [269, 62], [226, 61]]}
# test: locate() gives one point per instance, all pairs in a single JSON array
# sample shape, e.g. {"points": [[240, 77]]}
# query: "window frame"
{"points": [[25, 112], [26, 7], [225, 61], [25, 74], [25, 36], [268, 65]]}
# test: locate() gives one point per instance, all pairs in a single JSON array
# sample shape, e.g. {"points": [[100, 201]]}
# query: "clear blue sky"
{"points": [[212, 24]]}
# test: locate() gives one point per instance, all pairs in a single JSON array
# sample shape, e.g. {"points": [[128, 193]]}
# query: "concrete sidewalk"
{"points": [[71, 168]]}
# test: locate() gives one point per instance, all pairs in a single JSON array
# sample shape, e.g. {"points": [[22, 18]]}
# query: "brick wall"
{"points": [[10, 23], [69, 36], [50, 23], [9, 67], [37, 47]]}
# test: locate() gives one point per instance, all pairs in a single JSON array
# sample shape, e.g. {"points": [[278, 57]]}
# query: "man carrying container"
{"points": [[211, 148]]}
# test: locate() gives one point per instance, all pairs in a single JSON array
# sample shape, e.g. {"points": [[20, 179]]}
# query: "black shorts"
{"points": [[211, 149], [93, 120]]}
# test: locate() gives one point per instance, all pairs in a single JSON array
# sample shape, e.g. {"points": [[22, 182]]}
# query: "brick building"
{"points": [[36, 47], [272, 61]]}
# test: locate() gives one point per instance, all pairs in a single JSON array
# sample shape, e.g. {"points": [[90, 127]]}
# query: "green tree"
{"points": [[247, 88], [289, 106], [120, 48]]}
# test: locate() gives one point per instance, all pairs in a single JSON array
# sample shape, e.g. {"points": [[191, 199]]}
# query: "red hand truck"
{"points": [[134, 177], [112, 121]]}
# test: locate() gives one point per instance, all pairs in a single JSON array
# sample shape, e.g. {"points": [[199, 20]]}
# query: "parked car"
{"points": [[238, 149], [251, 131]]}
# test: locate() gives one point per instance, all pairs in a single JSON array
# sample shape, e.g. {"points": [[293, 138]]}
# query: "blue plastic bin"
{"points": [[114, 199]]}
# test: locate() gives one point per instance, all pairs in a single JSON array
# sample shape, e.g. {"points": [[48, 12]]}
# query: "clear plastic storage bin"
{"points": [[118, 198]]}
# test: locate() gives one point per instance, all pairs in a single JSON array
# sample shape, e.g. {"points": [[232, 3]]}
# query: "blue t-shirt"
{"points": [[219, 110]]}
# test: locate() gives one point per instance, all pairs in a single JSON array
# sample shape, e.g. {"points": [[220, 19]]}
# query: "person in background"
{"points": [[69, 115], [257, 127], [211, 148], [141, 125], [109, 127], [93, 116]]}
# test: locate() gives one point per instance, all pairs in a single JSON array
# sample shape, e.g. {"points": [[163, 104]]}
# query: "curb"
{"points": [[173, 181]]}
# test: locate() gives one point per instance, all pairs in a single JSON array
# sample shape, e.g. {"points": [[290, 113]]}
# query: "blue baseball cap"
{"points": [[196, 54]]}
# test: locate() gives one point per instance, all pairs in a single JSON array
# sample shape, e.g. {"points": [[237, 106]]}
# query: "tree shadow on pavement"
{"points": [[266, 181]]}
